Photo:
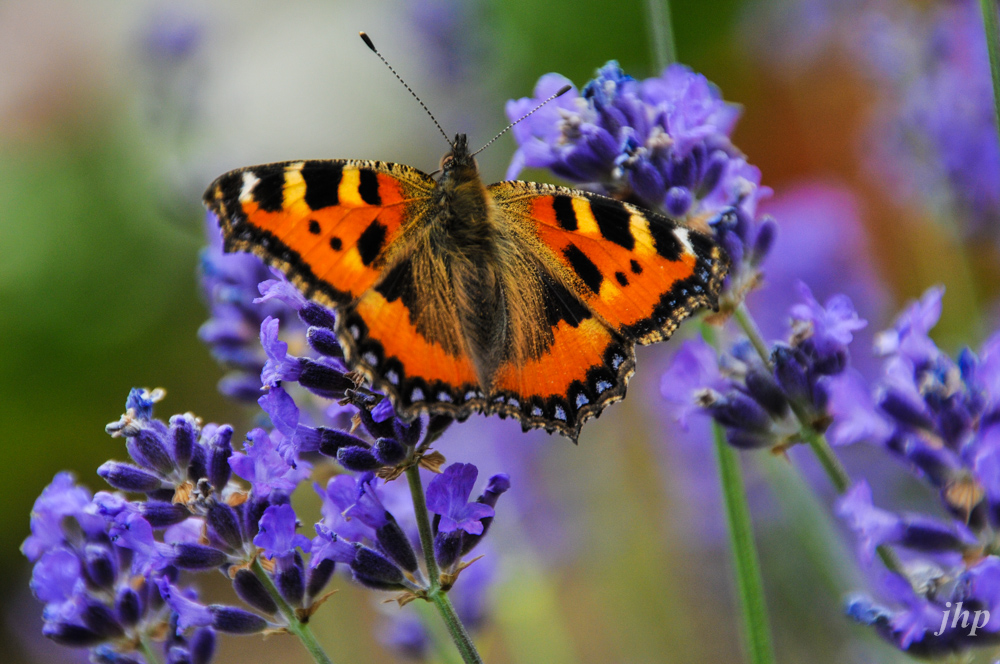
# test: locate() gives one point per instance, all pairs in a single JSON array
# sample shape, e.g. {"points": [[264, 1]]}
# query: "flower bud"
{"points": [[201, 645], [324, 342], [148, 449], [100, 565], [331, 440], [250, 589], [196, 556], [389, 451], [762, 244], [376, 571], [317, 316], [678, 201], [233, 620], [126, 477], [738, 411], [396, 544], [358, 459], [319, 576], [223, 521], [901, 408], [791, 375], [448, 548], [161, 514], [291, 583], [128, 606], [220, 449], [182, 428], [73, 636], [323, 380], [765, 391], [100, 619]]}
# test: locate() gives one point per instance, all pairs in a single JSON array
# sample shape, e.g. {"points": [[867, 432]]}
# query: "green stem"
{"points": [[458, 633], [991, 21], [423, 525], [749, 325], [148, 653], [295, 626], [661, 32], [466, 648], [747, 566], [817, 441]]}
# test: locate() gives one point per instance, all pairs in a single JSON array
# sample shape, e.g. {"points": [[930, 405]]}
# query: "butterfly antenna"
{"points": [[368, 42], [563, 90]]}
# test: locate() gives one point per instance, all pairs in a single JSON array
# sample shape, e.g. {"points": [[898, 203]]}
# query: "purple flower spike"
{"points": [[281, 289], [695, 366], [873, 525], [267, 471], [280, 365], [277, 536], [830, 327], [448, 496]]}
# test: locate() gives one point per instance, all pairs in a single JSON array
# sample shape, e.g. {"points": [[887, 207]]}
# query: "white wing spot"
{"points": [[616, 361], [603, 386], [536, 411], [392, 376], [444, 396], [371, 358], [685, 238], [581, 400], [560, 413], [417, 394], [249, 182]]}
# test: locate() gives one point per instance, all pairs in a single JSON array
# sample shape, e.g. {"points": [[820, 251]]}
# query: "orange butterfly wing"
{"points": [[624, 275], [608, 275], [336, 228]]}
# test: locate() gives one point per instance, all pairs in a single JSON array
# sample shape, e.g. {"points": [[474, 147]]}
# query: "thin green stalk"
{"points": [[295, 626], [991, 21], [459, 635], [423, 525], [148, 653], [749, 582], [661, 32]]}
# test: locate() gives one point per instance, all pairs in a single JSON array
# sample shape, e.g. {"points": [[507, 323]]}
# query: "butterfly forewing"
{"points": [[638, 271], [326, 224]]}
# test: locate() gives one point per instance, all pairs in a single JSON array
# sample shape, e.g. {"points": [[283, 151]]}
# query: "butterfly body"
{"points": [[454, 297]]}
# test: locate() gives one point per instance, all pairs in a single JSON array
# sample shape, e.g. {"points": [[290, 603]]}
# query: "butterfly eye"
{"points": [[446, 162]]}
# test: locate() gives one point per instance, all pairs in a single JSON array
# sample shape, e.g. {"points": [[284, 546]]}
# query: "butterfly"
{"points": [[452, 297]]}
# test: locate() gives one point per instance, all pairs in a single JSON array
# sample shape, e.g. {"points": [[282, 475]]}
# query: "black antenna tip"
{"points": [[368, 41], [563, 90]]}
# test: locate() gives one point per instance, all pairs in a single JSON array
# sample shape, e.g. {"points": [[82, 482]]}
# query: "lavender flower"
{"points": [[98, 592], [230, 284], [938, 415], [936, 135], [760, 406], [662, 143], [664, 140]]}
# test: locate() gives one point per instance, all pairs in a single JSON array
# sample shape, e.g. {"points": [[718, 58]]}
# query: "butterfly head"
{"points": [[459, 164]]}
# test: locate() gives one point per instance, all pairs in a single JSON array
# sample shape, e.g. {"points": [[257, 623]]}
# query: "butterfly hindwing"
{"points": [[327, 224]]}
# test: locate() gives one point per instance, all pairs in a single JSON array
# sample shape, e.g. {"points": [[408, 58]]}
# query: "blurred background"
{"points": [[115, 116]]}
